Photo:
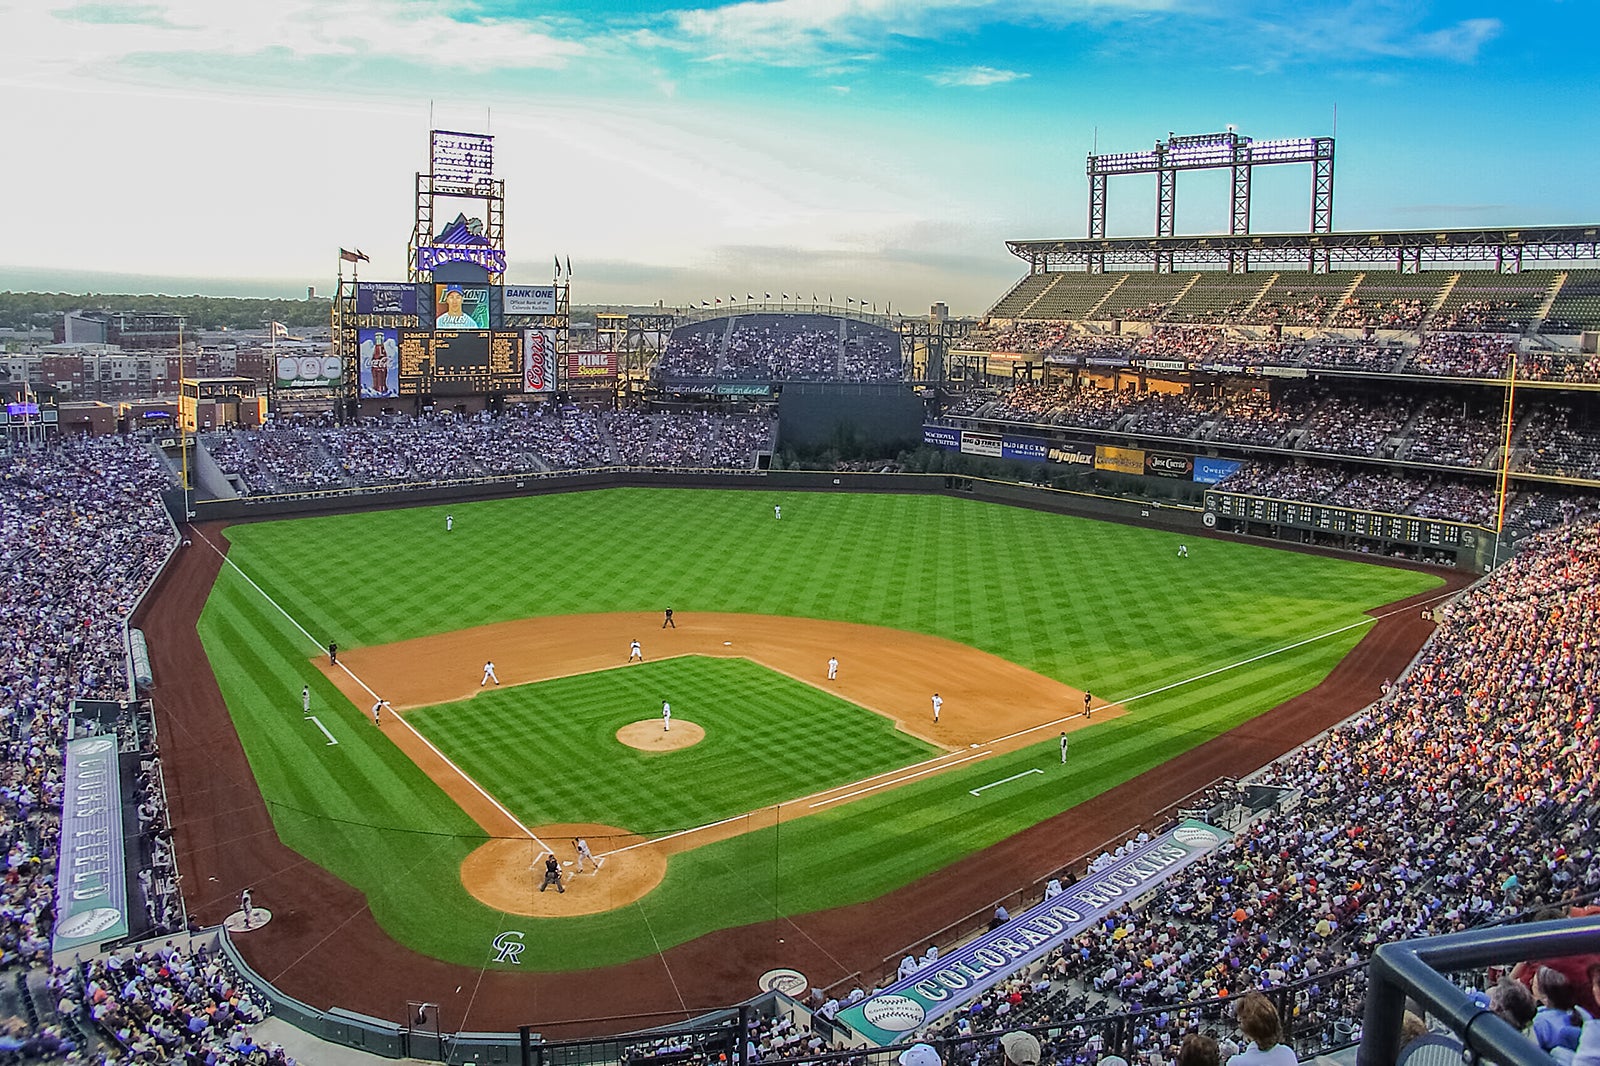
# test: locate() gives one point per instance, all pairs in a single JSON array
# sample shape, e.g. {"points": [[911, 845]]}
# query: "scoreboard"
{"points": [[453, 363], [1378, 525]]}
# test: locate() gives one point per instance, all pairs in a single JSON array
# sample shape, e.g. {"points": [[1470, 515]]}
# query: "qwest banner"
{"points": [[91, 880], [957, 978], [1208, 471]]}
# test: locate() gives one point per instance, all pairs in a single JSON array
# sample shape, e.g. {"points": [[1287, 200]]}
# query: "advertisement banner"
{"points": [[1209, 471], [948, 984], [591, 366], [538, 360], [744, 390], [1168, 464], [386, 298], [461, 306], [308, 371], [530, 299], [1119, 460], [380, 362], [980, 444], [1165, 364], [91, 880], [1071, 454], [942, 437], [1027, 448]]}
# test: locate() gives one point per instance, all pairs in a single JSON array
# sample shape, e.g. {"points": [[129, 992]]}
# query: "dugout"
{"points": [[869, 419]]}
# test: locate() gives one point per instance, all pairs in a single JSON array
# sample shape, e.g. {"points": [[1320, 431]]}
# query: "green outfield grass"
{"points": [[768, 739], [1096, 605]]}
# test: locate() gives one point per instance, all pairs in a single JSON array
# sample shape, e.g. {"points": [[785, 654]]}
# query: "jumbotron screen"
{"points": [[450, 362]]}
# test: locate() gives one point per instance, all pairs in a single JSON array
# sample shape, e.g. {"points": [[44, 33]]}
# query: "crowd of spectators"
{"points": [[1451, 434], [1559, 440], [1462, 355], [1347, 424], [1464, 796], [784, 348], [400, 450], [1398, 312]]}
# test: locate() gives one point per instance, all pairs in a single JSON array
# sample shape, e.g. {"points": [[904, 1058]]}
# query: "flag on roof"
{"points": [[353, 257]]}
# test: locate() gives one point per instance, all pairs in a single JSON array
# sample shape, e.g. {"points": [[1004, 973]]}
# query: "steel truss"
{"points": [[1210, 151], [1406, 251]]}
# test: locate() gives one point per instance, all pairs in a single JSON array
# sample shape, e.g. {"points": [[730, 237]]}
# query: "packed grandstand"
{"points": [[1461, 798], [1464, 797]]}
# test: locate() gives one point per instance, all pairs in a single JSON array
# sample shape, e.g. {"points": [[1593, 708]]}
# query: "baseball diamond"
{"points": [[427, 817]]}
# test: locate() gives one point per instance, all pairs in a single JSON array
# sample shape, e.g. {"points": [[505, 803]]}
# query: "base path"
{"points": [[324, 947]]}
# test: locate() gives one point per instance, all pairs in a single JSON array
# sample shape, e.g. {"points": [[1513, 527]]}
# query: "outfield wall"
{"points": [[1155, 514]]}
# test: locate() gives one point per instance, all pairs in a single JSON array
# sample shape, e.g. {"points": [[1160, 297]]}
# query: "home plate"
{"points": [[567, 863], [727, 644]]}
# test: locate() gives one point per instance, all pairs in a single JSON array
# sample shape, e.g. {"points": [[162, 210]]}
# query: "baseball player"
{"points": [[449, 522], [635, 655], [1088, 705], [777, 512], [583, 853], [552, 873], [833, 668], [1183, 551], [666, 717], [305, 698], [488, 674], [938, 702], [248, 908], [667, 621], [1063, 749], [333, 653], [377, 712]]}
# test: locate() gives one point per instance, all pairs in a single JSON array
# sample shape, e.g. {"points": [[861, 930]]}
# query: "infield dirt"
{"points": [[990, 706]]}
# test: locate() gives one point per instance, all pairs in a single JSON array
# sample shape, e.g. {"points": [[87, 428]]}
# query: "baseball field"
{"points": [[776, 792]]}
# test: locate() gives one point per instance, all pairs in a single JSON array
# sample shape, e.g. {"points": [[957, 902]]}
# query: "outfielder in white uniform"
{"points": [[666, 717], [938, 701], [833, 668], [449, 522], [634, 653], [583, 853], [777, 512], [305, 698], [488, 674]]}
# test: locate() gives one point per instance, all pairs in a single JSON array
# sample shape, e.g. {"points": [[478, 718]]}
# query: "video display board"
{"points": [[457, 306], [386, 298], [456, 362]]}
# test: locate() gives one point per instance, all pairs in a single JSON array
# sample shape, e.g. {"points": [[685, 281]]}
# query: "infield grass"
{"points": [[1099, 606], [549, 751]]}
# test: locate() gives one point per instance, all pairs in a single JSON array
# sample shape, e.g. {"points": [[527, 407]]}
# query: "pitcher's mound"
{"points": [[505, 873], [649, 736]]}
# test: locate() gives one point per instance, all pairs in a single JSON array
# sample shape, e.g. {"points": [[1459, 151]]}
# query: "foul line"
{"points": [[897, 781], [1003, 780], [350, 674]]}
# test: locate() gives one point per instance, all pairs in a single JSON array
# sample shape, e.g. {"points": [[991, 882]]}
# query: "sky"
{"points": [[879, 150]]}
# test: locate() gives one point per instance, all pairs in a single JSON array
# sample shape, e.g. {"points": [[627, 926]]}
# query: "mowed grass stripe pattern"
{"points": [[549, 751], [1096, 605]]}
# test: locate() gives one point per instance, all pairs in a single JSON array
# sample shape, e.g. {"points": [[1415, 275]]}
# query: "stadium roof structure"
{"points": [[1406, 251]]}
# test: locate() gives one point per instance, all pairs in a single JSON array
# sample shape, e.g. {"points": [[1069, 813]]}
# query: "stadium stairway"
{"points": [[1089, 314], [1537, 321], [1344, 297], [1444, 294], [722, 346], [1250, 308]]}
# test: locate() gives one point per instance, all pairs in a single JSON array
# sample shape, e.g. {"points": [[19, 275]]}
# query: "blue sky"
{"points": [[876, 149]]}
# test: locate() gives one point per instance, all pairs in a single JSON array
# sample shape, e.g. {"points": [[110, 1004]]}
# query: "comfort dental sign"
{"points": [[91, 886], [955, 979]]}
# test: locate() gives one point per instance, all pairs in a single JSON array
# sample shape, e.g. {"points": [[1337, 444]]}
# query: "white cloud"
{"points": [[978, 77]]}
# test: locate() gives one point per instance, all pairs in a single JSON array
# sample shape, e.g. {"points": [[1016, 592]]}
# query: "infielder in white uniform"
{"points": [[833, 668], [1063, 749], [938, 701], [305, 698], [377, 712], [488, 674], [666, 717], [583, 853], [634, 654]]}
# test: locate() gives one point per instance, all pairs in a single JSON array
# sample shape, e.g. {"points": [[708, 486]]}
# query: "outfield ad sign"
{"points": [[1168, 464], [942, 437], [1208, 471], [980, 444], [947, 985], [91, 881], [530, 300], [1026, 448], [1119, 460], [386, 298]]}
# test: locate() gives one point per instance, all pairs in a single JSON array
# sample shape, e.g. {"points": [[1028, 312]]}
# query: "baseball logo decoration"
{"points": [[789, 982], [509, 946], [898, 1014]]}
